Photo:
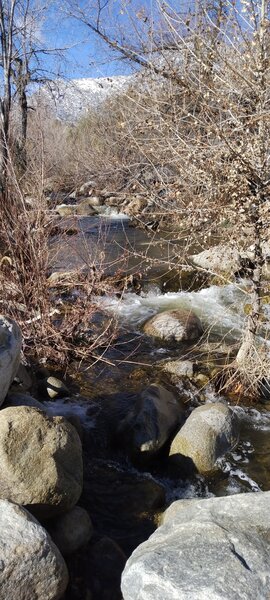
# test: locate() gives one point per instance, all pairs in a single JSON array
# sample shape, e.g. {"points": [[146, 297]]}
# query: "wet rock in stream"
{"points": [[71, 531], [174, 326], [154, 416], [95, 571], [209, 432]]}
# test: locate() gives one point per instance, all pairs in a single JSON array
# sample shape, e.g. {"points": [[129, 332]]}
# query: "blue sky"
{"points": [[88, 56]]}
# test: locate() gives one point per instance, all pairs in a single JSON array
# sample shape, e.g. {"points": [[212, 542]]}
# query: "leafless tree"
{"points": [[23, 62]]}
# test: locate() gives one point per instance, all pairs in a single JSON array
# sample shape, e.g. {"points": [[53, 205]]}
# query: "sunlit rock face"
{"points": [[206, 549], [31, 565]]}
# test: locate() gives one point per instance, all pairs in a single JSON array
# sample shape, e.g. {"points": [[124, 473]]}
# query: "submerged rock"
{"points": [[122, 503], [208, 549], [18, 399], [71, 530], [95, 571], [174, 326], [31, 565], [10, 352], [40, 461], [208, 433], [152, 419], [177, 369]]}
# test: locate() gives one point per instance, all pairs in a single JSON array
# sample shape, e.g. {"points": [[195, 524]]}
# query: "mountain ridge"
{"points": [[71, 99]]}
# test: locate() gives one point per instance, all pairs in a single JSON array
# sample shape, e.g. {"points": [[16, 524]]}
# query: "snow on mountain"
{"points": [[70, 99]]}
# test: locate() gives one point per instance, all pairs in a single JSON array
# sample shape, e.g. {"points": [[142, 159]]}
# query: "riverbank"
{"points": [[149, 382]]}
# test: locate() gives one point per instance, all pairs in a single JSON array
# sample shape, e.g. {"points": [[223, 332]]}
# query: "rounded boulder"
{"points": [[31, 566], [40, 461], [174, 326], [208, 433], [153, 418], [10, 353], [71, 530]]}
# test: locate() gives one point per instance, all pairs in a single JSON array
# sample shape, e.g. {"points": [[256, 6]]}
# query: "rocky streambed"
{"points": [[88, 467]]}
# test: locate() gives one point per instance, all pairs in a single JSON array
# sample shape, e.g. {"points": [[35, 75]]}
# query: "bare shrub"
{"points": [[52, 330]]}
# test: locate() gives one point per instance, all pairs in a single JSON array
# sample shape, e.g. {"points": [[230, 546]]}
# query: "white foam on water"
{"points": [[259, 420], [78, 408], [236, 476], [219, 308], [110, 212], [186, 489]]}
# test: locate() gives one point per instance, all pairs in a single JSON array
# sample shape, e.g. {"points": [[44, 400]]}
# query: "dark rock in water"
{"points": [[121, 502], [152, 419], [23, 378], [108, 561], [18, 399], [206, 549], [174, 326], [95, 572], [71, 530]]}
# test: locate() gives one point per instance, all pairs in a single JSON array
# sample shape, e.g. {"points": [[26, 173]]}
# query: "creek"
{"points": [[122, 498]]}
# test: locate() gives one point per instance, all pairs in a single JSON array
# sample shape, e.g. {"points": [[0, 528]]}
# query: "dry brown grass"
{"points": [[52, 329]]}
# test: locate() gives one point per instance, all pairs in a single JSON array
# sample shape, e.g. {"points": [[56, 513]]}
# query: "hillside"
{"points": [[70, 99]]}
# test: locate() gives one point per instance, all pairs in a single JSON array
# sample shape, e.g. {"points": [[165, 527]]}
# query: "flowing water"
{"points": [[132, 364]]}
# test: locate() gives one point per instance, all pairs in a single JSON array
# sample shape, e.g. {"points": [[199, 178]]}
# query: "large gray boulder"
{"points": [[40, 461], [10, 352], [218, 259], [155, 415], [208, 433], [31, 566], [174, 326], [214, 549]]}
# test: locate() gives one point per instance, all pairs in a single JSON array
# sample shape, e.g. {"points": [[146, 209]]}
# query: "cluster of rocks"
{"points": [[158, 418], [41, 478], [205, 548], [89, 199]]}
